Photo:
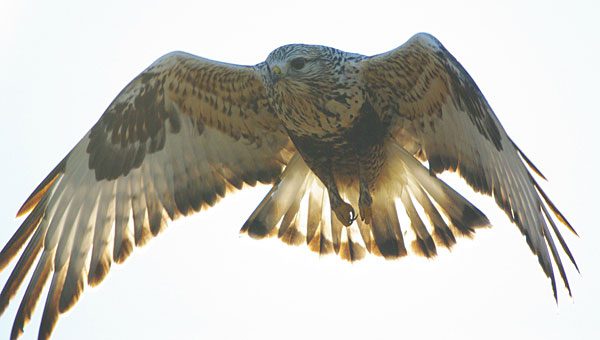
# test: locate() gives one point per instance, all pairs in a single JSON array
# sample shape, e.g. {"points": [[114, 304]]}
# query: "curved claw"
{"points": [[365, 213], [353, 216], [364, 206], [345, 213]]}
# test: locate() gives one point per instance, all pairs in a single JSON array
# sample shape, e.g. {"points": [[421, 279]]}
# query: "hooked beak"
{"points": [[276, 73]]}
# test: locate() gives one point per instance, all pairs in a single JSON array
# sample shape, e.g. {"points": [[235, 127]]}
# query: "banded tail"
{"points": [[297, 211]]}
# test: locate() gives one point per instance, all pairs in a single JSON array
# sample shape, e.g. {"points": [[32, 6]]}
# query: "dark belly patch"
{"points": [[367, 131], [341, 152]]}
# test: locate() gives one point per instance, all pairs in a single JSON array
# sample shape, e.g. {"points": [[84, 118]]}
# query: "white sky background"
{"points": [[62, 62]]}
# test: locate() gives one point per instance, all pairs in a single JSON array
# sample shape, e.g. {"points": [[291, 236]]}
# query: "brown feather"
{"points": [[315, 211], [22, 234], [51, 312], [336, 233], [423, 245], [123, 245], [350, 250], [442, 235], [32, 294], [21, 269], [42, 188], [180, 136], [386, 228], [436, 110]]}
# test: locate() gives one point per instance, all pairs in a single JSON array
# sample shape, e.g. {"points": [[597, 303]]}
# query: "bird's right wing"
{"points": [[437, 111], [177, 138]]}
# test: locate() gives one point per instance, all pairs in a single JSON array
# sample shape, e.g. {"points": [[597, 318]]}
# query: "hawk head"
{"points": [[309, 86], [302, 67]]}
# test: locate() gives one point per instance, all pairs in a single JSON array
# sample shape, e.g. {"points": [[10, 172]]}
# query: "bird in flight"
{"points": [[348, 142]]}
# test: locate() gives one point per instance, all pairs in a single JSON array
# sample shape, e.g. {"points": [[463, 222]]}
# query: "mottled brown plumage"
{"points": [[336, 133]]}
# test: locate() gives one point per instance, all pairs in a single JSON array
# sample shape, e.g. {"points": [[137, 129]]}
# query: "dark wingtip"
{"points": [[293, 236], [123, 251], [474, 218], [66, 302], [574, 264], [319, 244], [16, 332], [554, 289], [97, 275], [470, 219], [443, 236], [352, 251], [256, 229], [424, 248], [325, 246], [29, 225], [390, 249], [554, 209], [528, 161]]}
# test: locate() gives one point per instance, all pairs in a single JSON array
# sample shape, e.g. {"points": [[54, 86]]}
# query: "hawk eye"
{"points": [[298, 63]]}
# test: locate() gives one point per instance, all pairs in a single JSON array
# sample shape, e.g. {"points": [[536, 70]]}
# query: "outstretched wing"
{"points": [[177, 138], [437, 112]]}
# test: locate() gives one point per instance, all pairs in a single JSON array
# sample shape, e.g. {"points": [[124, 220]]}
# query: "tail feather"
{"points": [[264, 220], [323, 243], [442, 235], [412, 179], [351, 250], [297, 210], [288, 230], [318, 231], [293, 236], [463, 215], [423, 244], [315, 212], [365, 234], [336, 232], [386, 228]]}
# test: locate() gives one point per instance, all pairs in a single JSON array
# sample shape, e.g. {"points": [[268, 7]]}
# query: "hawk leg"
{"points": [[364, 203], [317, 156], [343, 211], [367, 137], [370, 162]]}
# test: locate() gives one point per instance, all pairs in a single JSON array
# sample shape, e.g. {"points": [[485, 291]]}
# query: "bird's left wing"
{"points": [[437, 112], [177, 138]]}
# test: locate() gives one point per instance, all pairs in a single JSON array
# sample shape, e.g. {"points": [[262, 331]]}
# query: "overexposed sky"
{"points": [[62, 62]]}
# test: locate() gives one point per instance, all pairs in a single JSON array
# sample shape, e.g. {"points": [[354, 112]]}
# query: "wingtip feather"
{"points": [[529, 162], [24, 232], [18, 275], [554, 209], [39, 192], [32, 295]]}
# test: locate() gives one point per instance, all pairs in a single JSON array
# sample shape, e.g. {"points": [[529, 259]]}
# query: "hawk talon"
{"points": [[364, 206], [365, 213], [345, 213], [353, 216]]}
